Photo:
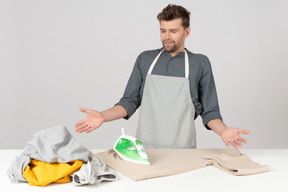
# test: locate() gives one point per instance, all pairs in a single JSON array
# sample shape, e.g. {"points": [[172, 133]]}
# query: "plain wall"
{"points": [[56, 56]]}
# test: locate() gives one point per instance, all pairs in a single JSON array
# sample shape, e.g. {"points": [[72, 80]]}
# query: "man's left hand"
{"points": [[231, 136]]}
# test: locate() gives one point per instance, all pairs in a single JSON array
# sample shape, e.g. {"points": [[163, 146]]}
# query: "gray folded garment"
{"points": [[93, 172]]}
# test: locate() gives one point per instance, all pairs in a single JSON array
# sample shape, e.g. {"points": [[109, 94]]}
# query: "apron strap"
{"points": [[186, 64]]}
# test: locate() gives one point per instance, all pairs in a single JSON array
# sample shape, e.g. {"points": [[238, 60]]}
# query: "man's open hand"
{"points": [[231, 136], [92, 121]]}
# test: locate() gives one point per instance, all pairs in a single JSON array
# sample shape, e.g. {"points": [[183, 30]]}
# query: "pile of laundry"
{"points": [[54, 156]]}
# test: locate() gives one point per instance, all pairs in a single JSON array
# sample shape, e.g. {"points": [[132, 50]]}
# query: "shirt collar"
{"points": [[180, 54]]}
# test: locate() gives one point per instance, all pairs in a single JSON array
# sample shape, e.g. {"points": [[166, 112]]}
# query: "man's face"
{"points": [[173, 35]]}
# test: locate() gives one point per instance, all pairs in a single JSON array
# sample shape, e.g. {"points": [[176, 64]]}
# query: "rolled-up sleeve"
{"points": [[131, 99], [208, 94]]}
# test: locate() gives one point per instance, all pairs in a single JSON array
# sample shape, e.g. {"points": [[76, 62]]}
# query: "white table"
{"points": [[205, 179]]}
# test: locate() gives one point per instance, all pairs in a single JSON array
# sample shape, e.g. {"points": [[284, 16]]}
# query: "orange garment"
{"points": [[42, 173]]}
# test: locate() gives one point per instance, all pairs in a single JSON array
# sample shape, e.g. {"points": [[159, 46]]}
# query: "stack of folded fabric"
{"points": [[53, 155]]}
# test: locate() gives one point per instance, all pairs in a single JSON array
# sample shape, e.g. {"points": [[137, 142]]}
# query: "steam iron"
{"points": [[131, 149]]}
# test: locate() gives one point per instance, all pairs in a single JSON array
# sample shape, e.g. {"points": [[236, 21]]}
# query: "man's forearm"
{"points": [[116, 112], [217, 126]]}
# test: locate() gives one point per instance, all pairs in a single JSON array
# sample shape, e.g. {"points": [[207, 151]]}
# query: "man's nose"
{"points": [[167, 35]]}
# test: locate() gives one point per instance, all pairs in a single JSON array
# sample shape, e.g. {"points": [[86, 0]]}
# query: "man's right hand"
{"points": [[92, 121]]}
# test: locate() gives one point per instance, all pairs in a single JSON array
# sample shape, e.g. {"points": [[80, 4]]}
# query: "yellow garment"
{"points": [[42, 173]]}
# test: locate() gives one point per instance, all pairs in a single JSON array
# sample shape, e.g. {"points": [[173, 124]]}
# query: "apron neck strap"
{"points": [[186, 64]]}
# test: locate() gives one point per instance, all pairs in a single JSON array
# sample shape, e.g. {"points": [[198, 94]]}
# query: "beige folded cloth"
{"points": [[240, 165], [164, 162]]}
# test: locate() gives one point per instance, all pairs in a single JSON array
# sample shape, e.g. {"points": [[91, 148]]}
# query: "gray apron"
{"points": [[166, 118]]}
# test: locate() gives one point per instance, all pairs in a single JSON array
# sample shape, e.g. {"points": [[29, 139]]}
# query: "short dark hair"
{"points": [[174, 12]]}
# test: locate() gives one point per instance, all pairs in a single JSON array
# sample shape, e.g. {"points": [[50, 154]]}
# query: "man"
{"points": [[173, 86]]}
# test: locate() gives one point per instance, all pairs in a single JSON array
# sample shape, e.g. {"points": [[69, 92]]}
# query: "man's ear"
{"points": [[187, 32]]}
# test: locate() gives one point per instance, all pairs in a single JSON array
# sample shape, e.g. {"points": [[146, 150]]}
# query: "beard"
{"points": [[171, 48]]}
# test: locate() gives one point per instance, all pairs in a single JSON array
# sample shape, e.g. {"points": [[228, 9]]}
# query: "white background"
{"points": [[58, 55]]}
